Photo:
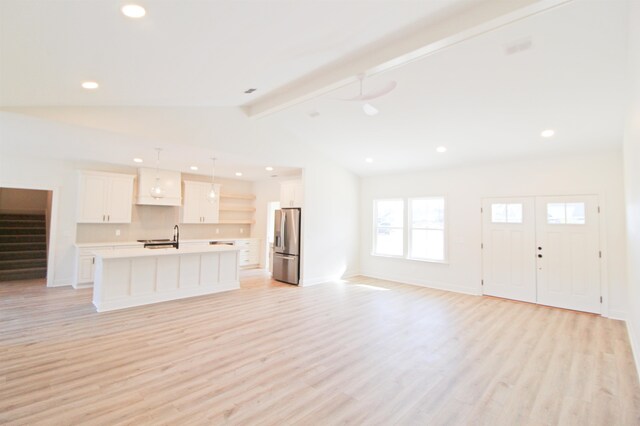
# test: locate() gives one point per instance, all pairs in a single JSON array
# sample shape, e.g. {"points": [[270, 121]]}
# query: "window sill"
{"points": [[390, 256], [440, 262]]}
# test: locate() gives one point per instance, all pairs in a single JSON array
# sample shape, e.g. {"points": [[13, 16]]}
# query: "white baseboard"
{"points": [[166, 296], [617, 315], [424, 283], [635, 345], [319, 280], [61, 283]]}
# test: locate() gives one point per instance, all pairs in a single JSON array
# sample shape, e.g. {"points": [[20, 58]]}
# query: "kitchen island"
{"points": [[139, 276]]}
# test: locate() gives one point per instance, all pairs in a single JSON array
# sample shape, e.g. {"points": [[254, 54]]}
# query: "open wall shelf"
{"points": [[238, 196], [237, 209], [230, 208]]}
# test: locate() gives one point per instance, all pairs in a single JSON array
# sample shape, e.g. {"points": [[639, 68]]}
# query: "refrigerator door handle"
{"points": [[288, 257], [282, 230], [276, 241]]}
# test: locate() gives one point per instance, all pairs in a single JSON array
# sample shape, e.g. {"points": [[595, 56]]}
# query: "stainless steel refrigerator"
{"points": [[286, 246]]}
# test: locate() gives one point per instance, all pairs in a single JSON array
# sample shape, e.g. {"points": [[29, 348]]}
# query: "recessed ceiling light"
{"points": [[238, 173], [137, 160], [194, 168], [441, 149], [370, 109], [547, 133], [89, 85], [133, 11], [269, 168], [369, 160]]}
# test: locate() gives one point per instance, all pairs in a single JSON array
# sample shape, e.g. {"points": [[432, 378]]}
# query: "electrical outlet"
{"points": [[242, 230], [117, 232], [217, 230]]}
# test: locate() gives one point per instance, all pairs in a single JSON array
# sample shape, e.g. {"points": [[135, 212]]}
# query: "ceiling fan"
{"points": [[364, 97]]}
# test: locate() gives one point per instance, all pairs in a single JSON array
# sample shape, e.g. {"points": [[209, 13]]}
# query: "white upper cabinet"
{"points": [[197, 208], [291, 193], [104, 197]]}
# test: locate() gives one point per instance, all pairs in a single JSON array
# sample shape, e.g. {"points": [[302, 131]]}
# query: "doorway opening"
{"points": [[271, 220], [543, 250], [25, 224]]}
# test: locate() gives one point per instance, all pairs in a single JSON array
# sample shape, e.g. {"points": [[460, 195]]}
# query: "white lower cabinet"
{"points": [[86, 263], [249, 255], [86, 269]]}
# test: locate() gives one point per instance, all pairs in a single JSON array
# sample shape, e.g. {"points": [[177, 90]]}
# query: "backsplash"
{"points": [[156, 222]]}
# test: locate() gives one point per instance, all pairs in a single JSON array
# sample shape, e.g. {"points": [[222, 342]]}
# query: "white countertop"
{"points": [[146, 252], [136, 243]]}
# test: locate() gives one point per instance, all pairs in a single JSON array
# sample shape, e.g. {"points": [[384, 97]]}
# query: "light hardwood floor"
{"points": [[360, 352]]}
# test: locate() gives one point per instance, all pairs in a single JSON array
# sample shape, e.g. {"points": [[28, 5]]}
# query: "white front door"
{"points": [[567, 252], [508, 235]]}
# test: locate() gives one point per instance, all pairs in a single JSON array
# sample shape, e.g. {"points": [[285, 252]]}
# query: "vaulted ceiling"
{"points": [[481, 77]]}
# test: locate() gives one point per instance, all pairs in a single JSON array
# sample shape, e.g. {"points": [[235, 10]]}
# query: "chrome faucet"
{"points": [[176, 236]]}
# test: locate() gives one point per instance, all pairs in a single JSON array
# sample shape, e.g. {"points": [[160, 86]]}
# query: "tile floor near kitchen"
{"points": [[362, 351]]}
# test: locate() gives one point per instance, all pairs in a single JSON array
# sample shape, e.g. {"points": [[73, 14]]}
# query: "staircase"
{"points": [[23, 247]]}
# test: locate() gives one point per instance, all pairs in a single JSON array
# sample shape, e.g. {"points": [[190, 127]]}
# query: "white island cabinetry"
{"points": [[133, 277]]}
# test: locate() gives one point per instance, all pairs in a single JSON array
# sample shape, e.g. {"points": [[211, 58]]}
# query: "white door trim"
{"points": [[604, 264], [51, 255]]}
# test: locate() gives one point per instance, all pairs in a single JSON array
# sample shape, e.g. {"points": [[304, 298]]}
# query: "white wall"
{"points": [[632, 179], [599, 173], [266, 191], [330, 223]]}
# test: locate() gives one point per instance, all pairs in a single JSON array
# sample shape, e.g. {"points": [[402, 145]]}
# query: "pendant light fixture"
{"points": [[211, 196], [157, 191]]}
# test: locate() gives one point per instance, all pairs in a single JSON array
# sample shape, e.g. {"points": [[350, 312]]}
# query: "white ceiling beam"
{"points": [[412, 45]]}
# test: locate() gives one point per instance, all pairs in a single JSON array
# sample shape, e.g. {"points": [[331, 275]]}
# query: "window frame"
{"points": [[506, 213], [375, 228], [410, 228], [565, 217], [407, 228]]}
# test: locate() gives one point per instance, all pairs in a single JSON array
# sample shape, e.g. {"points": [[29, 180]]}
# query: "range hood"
{"points": [[170, 182]]}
